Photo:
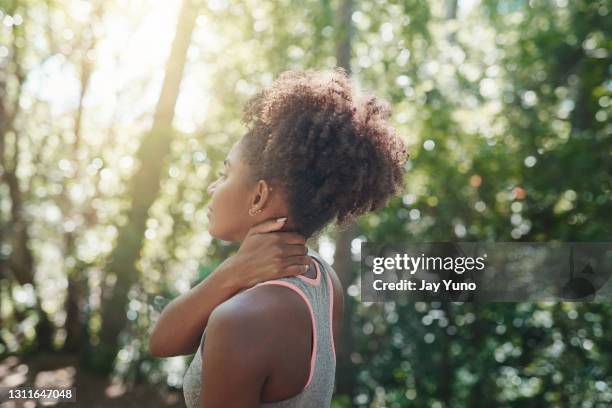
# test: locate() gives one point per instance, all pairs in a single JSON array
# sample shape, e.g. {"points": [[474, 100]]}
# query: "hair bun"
{"points": [[333, 150]]}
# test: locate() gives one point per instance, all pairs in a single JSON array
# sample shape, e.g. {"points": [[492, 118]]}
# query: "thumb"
{"points": [[273, 224]]}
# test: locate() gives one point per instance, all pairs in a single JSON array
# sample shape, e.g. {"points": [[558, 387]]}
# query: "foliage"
{"points": [[504, 105]]}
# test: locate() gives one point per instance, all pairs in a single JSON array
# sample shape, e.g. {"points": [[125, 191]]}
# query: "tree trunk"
{"points": [[77, 282], [447, 368], [144, 188], [20, 262], [342, 258]]}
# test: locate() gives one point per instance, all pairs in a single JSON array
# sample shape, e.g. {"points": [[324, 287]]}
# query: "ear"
{"points": [[261, 195]]}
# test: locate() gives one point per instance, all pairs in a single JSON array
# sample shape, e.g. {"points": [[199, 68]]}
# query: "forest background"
{"points": [[115, 115]]}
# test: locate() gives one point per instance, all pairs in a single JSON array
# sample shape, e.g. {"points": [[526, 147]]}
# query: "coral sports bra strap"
{"points": [[299, 291]]}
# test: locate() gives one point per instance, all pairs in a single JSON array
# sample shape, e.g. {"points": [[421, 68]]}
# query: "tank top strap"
{"points": [[326, 272], [313, 319]]}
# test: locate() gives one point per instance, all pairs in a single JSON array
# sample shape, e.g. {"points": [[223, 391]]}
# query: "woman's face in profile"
{"points": [[228, 209]]}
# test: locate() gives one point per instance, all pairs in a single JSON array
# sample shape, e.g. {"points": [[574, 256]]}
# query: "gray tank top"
{"points": [[318, 296]]}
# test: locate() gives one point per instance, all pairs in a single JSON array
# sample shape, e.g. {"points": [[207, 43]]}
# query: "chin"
{"points": [[214, 233]]}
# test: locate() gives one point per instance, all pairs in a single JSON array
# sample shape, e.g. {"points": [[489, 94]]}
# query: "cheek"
{"points": [[226, 197], [229, 211]]}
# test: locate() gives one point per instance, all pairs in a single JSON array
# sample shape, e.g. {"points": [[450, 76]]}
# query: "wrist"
{"points": [[227, 277]]}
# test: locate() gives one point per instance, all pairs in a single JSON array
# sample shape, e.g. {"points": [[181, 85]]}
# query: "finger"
{"points": [[299, 260], [294, 270], [293, 250], [269, 225]]}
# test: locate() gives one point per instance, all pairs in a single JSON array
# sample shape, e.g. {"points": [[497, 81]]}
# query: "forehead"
{"points": [[233, 156], [237, 166], [236, 162]]}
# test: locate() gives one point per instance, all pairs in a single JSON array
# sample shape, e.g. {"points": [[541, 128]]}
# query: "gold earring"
{"points": [[252, 211]]}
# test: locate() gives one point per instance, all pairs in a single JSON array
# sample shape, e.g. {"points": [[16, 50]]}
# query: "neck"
{"points": [[288, 227]]}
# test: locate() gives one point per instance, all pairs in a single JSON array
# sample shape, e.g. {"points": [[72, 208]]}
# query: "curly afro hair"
{"points": [[333, 152]]}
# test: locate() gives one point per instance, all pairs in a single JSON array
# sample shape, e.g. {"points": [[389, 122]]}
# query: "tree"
{"points": [[144, 188], [19, 267], [343, 263]]}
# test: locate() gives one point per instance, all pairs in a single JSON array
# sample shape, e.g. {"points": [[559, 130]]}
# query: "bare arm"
{"points": [[263, 255], [178, 330], [237, 357]]}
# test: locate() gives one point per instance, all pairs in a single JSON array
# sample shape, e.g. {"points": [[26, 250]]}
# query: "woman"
{"points": [[269, 316]]}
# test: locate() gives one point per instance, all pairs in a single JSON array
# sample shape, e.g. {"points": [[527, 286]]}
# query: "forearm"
{"points": [[179, 327]]}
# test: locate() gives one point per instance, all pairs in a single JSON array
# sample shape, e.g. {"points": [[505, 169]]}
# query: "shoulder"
{"points": [[260, 302], [244, 336], [262, 312], [245, 332]]}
